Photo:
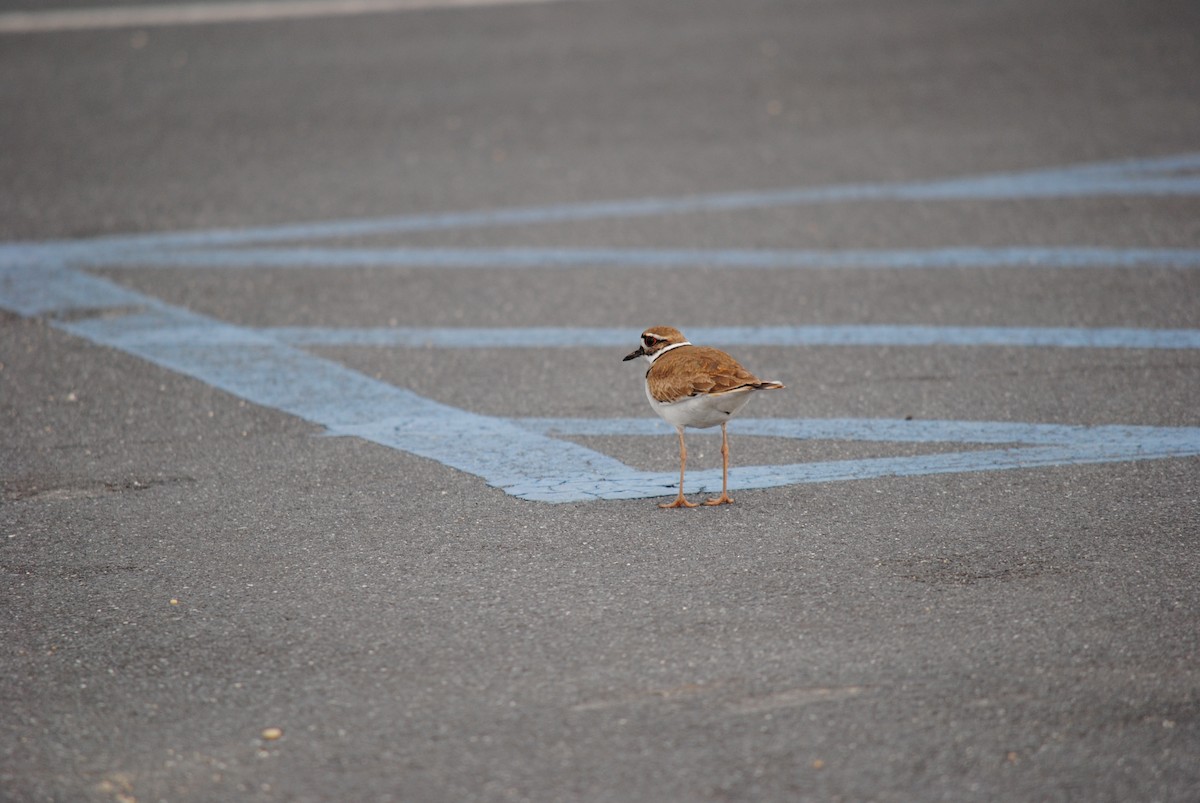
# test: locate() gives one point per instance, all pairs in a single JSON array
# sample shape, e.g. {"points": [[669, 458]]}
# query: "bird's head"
{"points": [[655, 340]]}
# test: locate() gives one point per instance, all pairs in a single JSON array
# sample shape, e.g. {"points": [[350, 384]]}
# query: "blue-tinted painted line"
{"points": [[1026, 446], [635, 485], [890, 430], [525, 457], [846, 335], [259, 369], [52, 289], [566, 258], [1170, 176]]}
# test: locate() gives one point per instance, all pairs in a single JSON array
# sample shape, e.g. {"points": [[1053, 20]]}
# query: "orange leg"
{"points": [[724, 498], [679, 500]]}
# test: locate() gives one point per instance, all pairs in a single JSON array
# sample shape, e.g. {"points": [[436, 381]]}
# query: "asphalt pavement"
{"points": [[323, 478]]}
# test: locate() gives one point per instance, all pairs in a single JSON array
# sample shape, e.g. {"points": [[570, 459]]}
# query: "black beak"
{"points": [[640, 352]]}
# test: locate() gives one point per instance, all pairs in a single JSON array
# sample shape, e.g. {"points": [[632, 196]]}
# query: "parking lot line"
{"points": [[830, 335], [172, 14], [530, 458], [1167, 176], [527, 458], [568, 258]]}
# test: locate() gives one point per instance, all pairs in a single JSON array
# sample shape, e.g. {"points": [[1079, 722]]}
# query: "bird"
{"points": [[695, 386]]}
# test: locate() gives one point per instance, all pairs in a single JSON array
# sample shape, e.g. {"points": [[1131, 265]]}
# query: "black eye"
{"points": [[649, 340]]}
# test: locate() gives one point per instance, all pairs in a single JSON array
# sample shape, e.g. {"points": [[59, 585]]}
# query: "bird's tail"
{"points": [[768, 385]]}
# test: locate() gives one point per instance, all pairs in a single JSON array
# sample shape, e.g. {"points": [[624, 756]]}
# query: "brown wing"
{"points": [[689, 370]]}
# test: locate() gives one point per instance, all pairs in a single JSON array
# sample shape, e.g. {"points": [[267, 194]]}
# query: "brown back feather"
{"points": [[708, 370]]}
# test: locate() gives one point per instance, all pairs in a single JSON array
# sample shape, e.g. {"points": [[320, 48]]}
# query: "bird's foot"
{"points": [[723, 499], [679, 502]]}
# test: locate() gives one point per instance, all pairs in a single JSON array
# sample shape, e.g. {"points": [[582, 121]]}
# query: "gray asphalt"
{"points": [[181, 570]]}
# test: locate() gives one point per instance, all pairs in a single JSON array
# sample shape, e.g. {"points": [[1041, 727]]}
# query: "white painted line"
{"points": [[733, 259], [1176, 176], [526, 458], [81, 19], [542, 337]]}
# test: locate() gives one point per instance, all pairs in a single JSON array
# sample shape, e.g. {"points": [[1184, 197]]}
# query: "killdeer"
{"points": [[695, 386]]}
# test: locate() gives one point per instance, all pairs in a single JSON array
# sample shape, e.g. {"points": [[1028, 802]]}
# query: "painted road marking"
{"points": [[1024, 446], [1170, 176], [250, 366], [146, 16], [566, 258], [862, 335], [527, 458]]}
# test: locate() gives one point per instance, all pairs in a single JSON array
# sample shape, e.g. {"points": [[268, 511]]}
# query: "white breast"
{"points": [[700, 411]]}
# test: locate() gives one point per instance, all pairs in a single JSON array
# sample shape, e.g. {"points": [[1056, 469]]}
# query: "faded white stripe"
{"points": [[78, 19]]}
